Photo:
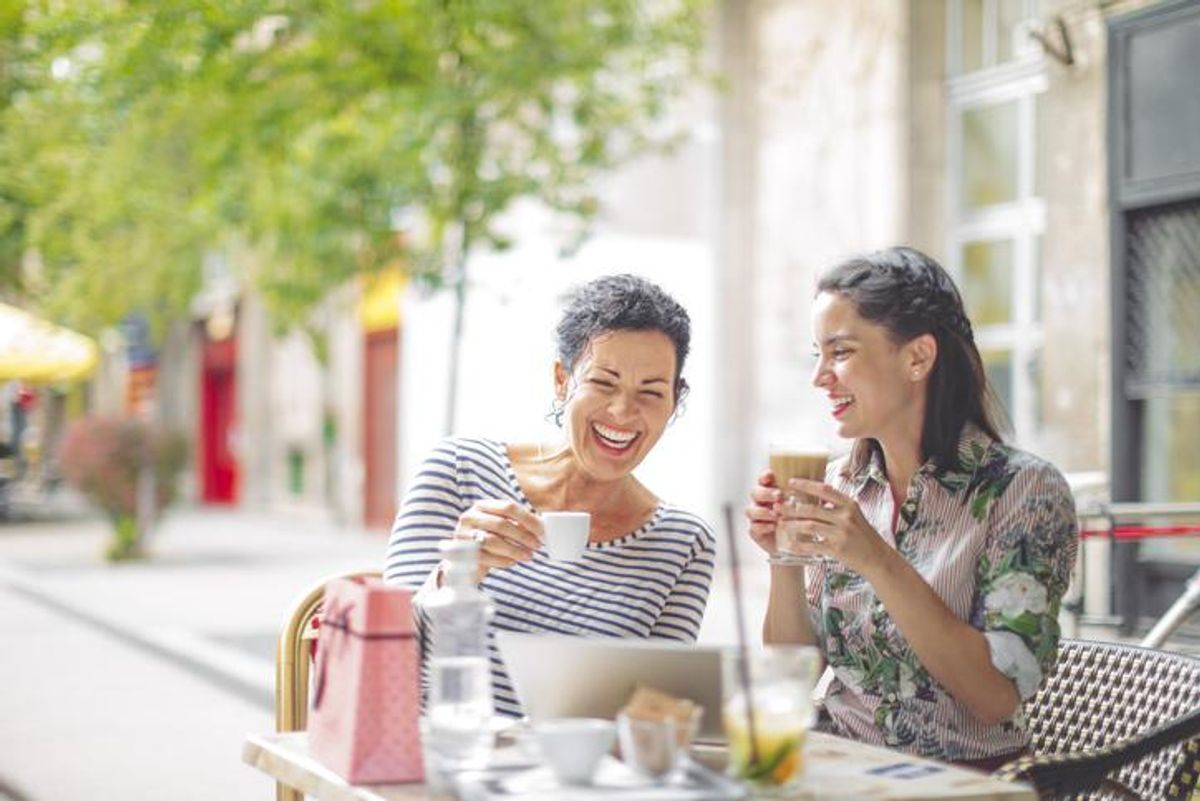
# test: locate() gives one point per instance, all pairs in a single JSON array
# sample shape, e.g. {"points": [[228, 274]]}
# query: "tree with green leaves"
{"points": [[140, 134]]}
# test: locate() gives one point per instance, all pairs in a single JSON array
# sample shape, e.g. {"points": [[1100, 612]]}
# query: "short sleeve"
{"points": [[1023, 574]]}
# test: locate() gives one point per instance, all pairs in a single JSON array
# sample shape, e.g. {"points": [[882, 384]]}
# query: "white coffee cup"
{"points": [[566, 535], [573, 747]]}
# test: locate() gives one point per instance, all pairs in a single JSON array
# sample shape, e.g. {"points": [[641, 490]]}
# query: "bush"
{"points": [[101, 457]]}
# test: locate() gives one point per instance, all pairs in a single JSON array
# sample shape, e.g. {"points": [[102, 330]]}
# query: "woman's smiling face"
{"points": [[876, 387], [618, 399]]}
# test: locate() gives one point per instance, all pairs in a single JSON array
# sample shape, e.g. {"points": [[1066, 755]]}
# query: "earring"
{"points": [[556, 411]]}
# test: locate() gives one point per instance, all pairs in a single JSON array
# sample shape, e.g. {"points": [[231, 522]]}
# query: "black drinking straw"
{"points": [[743, 653]]}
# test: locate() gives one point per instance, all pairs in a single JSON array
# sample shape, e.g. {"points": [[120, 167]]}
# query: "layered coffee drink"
{"points": [[787, 464]]}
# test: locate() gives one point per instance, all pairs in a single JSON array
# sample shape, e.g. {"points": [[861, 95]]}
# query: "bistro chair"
{"points": [[1114, 722], [293, 658]]}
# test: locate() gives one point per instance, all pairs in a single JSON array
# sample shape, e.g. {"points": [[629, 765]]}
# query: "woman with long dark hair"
{"points": [[947, 552]]}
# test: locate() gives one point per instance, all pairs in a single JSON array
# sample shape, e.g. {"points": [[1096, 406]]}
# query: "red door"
{"points": [[218, 419], [380, 371]]}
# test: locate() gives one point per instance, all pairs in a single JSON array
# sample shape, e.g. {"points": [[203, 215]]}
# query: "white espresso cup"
{"points": [[566, 534]]}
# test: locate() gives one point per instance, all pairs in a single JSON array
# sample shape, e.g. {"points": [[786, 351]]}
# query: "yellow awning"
{"points": [[379, 304], [34, 350]]}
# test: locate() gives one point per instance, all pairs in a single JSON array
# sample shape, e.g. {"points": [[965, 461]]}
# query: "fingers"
{"points": [[762, 519], [505, 519], [766, 493], [820, 490], [507, 533], [496, 551], [796, 509], [524, 526]]}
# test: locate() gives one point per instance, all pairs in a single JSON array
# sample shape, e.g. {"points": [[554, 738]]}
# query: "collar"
{"points": [[973, 444]]}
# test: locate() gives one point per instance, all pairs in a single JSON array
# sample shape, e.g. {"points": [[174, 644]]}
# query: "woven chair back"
{"points": [[1102, 692]]}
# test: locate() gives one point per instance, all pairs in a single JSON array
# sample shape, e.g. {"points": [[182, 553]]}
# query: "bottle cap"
{"points": [[461, 556]]}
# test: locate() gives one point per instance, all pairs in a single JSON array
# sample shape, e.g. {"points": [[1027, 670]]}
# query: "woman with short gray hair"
{"points": [[618, 381]]}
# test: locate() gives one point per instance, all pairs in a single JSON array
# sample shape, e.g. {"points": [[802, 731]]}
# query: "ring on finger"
{"points": [[479, 536]]}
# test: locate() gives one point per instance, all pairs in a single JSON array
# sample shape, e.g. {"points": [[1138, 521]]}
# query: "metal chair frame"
{"points": [[293, 655]]}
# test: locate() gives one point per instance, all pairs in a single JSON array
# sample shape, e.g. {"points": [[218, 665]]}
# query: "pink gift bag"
{"points": [[366, 694]]}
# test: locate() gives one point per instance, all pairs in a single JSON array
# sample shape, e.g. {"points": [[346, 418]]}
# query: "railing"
{"points": [[1135, 521]]}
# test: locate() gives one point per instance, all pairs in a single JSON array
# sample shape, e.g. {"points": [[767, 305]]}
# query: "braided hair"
{"points": [[910, 294]]}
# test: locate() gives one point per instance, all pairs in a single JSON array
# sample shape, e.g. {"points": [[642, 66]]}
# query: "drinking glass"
{"points": [[767, 712], [786, 464]]}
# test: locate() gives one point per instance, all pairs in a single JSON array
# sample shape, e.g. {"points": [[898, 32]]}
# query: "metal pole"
{"points": [[1187, 603]]}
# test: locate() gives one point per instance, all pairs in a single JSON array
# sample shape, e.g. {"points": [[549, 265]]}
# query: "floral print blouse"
{"points": [[996, 540]]}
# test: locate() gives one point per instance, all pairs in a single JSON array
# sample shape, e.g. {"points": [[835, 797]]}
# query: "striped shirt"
{"points": [[995, 538], [649, 583]]}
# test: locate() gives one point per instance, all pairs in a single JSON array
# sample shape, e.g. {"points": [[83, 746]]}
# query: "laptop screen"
{"points": [[559, 676]]}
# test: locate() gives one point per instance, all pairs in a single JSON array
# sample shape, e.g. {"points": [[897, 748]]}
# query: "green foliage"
{"points": [[137, 135]]}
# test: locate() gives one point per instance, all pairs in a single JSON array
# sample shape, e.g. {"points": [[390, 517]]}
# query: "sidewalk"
{"points": [[138, 681]]}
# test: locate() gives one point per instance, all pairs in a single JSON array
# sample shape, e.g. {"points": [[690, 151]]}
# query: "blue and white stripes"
{"points": [[652, 582]]}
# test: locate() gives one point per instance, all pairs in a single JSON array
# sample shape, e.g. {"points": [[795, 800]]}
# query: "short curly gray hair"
{"points": [[623, 303]]}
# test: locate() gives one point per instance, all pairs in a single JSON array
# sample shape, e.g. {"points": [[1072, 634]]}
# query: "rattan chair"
{"points": [[1114, 722], [293, 656]]}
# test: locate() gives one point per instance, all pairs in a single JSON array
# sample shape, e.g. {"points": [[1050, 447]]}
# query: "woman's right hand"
{"points": [[763, 511], [507, 533]]}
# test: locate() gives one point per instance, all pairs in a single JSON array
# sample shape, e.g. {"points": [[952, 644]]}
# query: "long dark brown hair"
{"points": [[910, 294]]}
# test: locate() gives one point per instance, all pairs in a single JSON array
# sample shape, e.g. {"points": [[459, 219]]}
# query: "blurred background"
{"points": [[257, 258]]}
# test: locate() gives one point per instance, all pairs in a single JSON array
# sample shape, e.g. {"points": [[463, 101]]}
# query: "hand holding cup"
{"points": [[506, 531]]}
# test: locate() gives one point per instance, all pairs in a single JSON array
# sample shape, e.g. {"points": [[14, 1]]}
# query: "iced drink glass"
{"points": [[767, 725]]}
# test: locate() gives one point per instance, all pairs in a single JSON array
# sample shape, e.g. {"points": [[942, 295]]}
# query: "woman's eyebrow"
{"points": [[616, 374], [835, 338]]}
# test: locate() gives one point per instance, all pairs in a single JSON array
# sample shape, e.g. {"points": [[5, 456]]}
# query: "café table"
{"points": [[837, 770]]}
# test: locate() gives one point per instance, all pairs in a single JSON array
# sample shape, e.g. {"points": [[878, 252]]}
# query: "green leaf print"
{"points": [[840, 581], [1026, 624]]}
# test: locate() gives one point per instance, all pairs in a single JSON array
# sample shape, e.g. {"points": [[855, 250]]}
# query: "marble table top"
{"points": [[837, 770]]}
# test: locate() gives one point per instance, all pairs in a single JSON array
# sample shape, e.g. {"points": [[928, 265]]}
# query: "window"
{"points": [[995, 215], [1162, 347]]}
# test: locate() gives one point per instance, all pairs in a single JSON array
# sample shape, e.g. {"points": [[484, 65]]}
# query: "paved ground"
{"points": [[138, 681]]}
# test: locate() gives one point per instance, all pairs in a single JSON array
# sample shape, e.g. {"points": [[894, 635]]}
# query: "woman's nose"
{"points": [[820, 373], [622, 405]]}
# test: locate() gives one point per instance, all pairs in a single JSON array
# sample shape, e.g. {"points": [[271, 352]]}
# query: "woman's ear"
{"points": [[561, 379], [922, 356]]}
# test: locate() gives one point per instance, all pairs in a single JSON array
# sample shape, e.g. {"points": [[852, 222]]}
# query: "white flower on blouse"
{"points": [[1015, 593]]}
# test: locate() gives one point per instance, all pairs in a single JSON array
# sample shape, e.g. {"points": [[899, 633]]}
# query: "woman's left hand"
{"points": [[837, 528]]}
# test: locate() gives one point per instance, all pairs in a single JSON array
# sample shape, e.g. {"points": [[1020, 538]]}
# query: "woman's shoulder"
{"points": [[678, 519], [1031, 470], [476, 449], [1027, 491]]}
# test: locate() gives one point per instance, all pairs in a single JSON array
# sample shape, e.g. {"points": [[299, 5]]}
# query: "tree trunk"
{"points": [[458, 258], [456, 335]]}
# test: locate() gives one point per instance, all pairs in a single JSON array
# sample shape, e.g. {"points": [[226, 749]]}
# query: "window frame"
{"points": [[1021, 221]]}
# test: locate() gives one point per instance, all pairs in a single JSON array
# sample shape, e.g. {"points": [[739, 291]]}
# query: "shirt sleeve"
{"points": [[684, 609], [1023, 574], [428, 514]]}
